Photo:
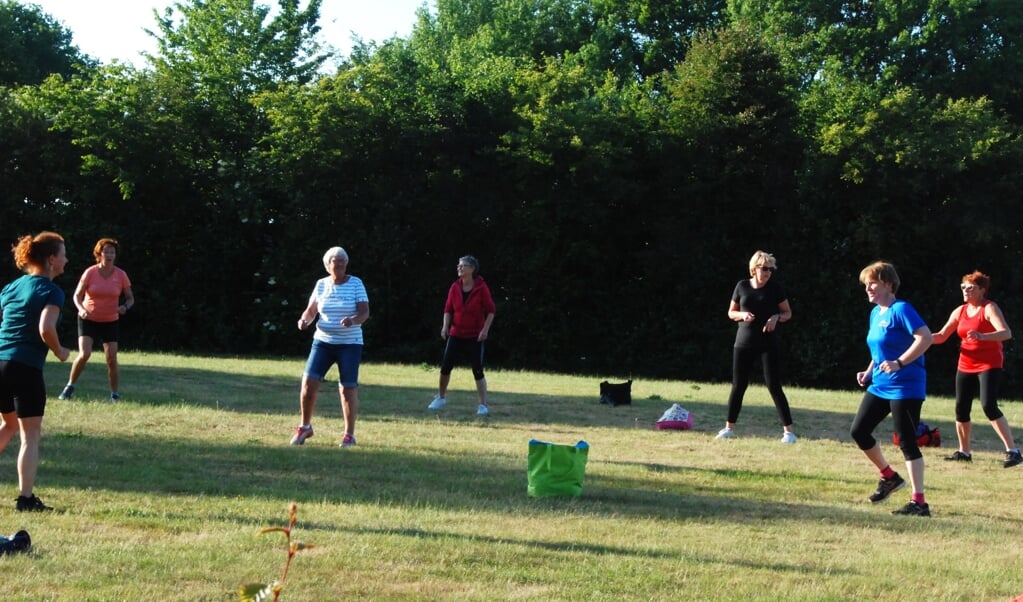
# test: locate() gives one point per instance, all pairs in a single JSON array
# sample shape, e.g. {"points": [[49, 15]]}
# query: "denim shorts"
{"points": [[324, 355]]}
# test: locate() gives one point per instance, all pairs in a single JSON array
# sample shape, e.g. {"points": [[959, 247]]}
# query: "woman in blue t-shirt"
{"points": [[29, 312], [896, 384]]}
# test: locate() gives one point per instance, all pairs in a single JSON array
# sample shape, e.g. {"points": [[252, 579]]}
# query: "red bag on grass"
{"points": [[925, 436]]}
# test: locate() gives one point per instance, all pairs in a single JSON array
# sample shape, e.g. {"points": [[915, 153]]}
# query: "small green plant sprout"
{"points": [[261, 592]]}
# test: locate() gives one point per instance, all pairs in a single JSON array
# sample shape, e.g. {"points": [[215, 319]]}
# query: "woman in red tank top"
{"points": [[981, 328]]}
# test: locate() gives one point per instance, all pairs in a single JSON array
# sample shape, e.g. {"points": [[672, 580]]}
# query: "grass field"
{"points": [[162, 495]]}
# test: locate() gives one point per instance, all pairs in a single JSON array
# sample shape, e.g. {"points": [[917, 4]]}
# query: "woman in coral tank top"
{"points": [[982, 328]]}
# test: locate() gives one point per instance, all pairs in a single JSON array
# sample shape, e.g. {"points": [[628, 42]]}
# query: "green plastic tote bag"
{"points": [[556, 470]]}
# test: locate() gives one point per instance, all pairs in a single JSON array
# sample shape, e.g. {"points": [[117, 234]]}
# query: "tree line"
{"points": [[613, 164]]}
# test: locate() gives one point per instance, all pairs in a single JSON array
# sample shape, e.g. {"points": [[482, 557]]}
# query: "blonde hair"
{"points": [[761, 258]]}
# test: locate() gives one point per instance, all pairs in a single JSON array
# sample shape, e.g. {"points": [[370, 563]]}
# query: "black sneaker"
{"points": [[914, 509], [1012, 458], [66, 394], [31, 504], [959, 456], [19, 542], [886, 487]]}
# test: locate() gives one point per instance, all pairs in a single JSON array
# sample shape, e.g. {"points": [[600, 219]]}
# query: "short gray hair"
{"points": [[334, 252], [475, 263]]}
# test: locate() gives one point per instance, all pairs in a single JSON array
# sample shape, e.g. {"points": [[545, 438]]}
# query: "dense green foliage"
{"points": [[613, 164], [33, 46]]}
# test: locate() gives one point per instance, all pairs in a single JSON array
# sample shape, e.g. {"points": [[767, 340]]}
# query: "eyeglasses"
{"points": [[968, 287], [765, 268], [463, 266]]}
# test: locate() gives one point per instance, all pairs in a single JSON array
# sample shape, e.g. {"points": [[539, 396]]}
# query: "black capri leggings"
{"points": [[969, 384], [463, 347], [905, 414]]}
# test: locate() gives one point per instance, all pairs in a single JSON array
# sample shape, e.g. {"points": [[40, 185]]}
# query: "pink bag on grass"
{"points": [[675, 418]]}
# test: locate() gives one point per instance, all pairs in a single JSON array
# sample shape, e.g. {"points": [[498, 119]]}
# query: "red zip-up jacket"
{"points": [[469, 316]]}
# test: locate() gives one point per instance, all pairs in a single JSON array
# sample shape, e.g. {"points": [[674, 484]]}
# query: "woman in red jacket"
{"points": [[468, 313], [982, 327]]}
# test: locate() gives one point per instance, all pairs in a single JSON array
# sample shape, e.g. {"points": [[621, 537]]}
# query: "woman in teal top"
{"points": [[896, 383], [30, 309]]}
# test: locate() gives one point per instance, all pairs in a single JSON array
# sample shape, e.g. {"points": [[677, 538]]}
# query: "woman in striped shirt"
{"points": [[338, 306]]}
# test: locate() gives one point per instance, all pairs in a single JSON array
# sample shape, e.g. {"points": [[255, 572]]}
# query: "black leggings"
{"points": [[905, 414], [969, 384], [465, 347], [742, 365]]}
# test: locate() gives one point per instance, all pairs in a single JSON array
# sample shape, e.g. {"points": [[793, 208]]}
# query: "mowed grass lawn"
{"points": [[162, 495]]}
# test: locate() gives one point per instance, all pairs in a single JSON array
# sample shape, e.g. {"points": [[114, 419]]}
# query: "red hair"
{"points": [[33, 250]]}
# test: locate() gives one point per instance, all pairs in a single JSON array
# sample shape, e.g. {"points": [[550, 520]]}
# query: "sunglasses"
{"points": [[764, 268]]}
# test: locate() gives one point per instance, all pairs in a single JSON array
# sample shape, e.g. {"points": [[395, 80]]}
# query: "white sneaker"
{"points": [[725, 433], [437, 403], [483, 410], [788, 437]]}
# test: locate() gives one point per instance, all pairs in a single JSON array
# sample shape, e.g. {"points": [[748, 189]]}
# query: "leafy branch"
{"points": [[260, 592]]}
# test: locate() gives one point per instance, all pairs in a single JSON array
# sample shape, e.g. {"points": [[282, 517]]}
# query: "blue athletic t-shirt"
{"points": [[890, 334]]}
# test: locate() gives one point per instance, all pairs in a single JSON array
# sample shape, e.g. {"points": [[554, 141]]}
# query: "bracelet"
{"points": [[899, 362]]}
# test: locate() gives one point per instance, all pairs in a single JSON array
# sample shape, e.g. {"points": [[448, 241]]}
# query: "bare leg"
{"points": [[963, 430], [113, 371], [84, 352], [481, 390], [307, 398], [876, 456], [28, 459], [916, 474], [1001, 427], [442, 387], [350, 407], [9, 429]]}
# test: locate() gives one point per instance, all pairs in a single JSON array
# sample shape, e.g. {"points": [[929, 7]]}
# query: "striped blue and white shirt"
{"points": [[336, 302]]}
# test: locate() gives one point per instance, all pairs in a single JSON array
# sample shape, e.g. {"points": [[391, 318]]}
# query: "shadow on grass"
{"points": [[599, 550], [225, 390], [234, 467], [375, 475]]}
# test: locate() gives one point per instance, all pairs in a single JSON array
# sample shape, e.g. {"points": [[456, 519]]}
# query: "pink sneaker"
{"points": [[301, 434]]}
